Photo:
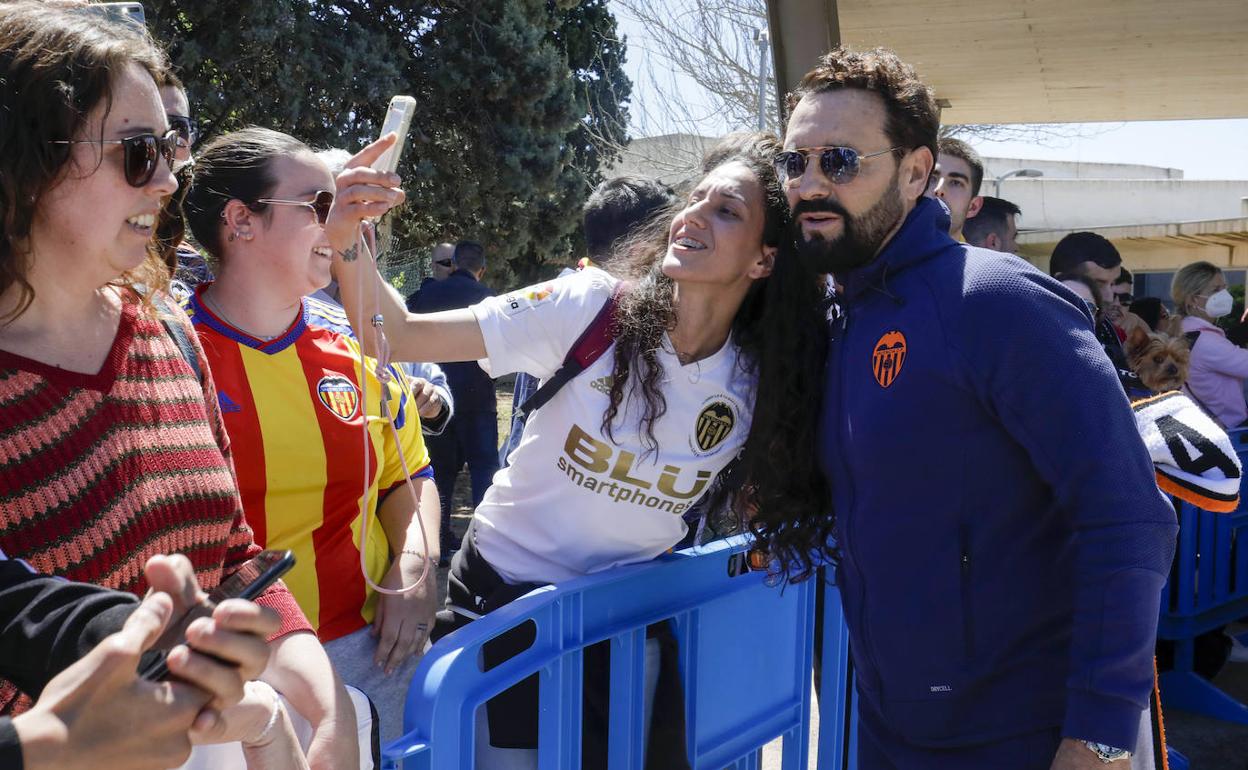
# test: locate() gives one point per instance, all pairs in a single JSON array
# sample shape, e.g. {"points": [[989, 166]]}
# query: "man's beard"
{"points": [[860, 239]]}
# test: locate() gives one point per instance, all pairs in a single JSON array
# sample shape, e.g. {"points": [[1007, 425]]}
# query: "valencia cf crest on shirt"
{"points": [[714, 424], [339, 395]]}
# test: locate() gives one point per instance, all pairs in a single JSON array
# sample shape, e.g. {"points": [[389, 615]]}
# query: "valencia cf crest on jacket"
{"points": [[339, 395], [889, 355]]}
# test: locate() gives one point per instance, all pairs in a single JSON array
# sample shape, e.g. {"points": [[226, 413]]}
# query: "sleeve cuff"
{"points": [[435, 426], [1103, 719], [10, 746], [278, 598]]}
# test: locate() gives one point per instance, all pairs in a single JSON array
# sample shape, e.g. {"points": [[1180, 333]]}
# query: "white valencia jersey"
{"points": [[573, 501]]}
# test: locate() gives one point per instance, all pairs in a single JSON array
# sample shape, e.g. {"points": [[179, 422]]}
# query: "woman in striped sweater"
{"points": [[111, 447]]}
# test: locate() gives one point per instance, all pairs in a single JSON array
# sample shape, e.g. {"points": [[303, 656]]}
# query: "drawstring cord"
{"points": [[382, 372]]}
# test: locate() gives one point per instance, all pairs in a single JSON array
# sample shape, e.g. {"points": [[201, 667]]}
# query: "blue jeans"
{"points": [[472, 438]]}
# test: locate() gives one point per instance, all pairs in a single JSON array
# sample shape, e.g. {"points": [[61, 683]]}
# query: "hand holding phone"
{"points": [[248, 582], [398, 121]]}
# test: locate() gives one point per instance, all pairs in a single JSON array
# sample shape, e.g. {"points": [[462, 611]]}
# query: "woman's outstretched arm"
{"points": [[362, 193]]}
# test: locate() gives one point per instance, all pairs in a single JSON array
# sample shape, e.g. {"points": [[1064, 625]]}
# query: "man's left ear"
{"points": [[763, 267], [977, 203]]}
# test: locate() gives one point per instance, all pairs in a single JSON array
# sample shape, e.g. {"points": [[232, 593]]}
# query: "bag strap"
{"points": [[587, 349], [178, 334]]}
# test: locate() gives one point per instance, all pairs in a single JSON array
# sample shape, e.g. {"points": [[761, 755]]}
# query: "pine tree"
{"points": [[520, 102]]}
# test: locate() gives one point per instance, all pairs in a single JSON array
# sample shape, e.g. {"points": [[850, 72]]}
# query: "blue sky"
{"points": [[1203, 149]]}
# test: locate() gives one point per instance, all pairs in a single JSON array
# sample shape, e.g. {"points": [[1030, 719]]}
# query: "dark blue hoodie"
{"points": [[1003, 540]]}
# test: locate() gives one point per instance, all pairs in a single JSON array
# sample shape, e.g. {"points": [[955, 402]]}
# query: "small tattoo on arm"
{"points": [[351, 254]]}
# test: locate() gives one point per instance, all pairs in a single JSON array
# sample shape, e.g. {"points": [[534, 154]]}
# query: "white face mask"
{"points": [[1219, 304]]}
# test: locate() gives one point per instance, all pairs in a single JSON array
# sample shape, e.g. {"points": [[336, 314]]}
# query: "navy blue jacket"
{"points": [[1004, 543], [472, 387]]}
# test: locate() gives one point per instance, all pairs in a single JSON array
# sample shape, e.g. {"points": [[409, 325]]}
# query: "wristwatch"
{"points": [[1105, 753]]}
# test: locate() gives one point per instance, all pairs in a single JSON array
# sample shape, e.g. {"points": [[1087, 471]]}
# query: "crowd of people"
{"points": [[823, 341]]}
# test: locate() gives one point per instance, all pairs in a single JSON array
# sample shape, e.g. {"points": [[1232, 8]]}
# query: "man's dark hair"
{"points": [[993, 217], [912, 119], [960, 149], [1125, 277], [1077, 248], [619, 206], [469, 255]]}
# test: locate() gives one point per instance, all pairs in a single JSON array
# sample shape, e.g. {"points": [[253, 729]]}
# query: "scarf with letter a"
{"points": [[1192, 454]]}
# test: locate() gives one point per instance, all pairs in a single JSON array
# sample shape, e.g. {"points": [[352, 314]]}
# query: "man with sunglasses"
{"points": [[190, 267], [1000, 571]]}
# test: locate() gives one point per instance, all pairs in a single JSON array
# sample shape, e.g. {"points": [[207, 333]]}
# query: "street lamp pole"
{"points": [[760, 37], [1024, 172]]}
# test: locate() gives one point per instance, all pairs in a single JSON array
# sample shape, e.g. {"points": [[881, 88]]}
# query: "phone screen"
{"points": [[248, 582]]}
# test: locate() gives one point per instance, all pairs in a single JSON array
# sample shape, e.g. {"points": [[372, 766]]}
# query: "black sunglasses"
{"points": [[141, 153], [444, 262], [187, 128], [839, 164], [320, 205], [1124, 298]]}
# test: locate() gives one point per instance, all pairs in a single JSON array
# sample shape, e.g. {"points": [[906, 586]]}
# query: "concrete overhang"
{"points": [[1165, 247], [1039, 61]]}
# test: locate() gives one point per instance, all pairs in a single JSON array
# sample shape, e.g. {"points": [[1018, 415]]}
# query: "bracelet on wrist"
{"points": [[274, 717]]}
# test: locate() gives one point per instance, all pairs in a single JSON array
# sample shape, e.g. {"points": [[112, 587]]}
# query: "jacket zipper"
{"points": [[968, 620], [846, 435]]}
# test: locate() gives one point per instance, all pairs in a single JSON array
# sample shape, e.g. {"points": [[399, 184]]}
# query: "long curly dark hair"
{"points": [[780, 328]]}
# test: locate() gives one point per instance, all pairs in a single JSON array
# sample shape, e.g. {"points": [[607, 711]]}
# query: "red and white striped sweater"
{"points": [[100, 472]]}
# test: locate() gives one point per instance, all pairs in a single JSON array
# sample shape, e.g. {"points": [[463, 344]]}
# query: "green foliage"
{"points": [[520, 104]]}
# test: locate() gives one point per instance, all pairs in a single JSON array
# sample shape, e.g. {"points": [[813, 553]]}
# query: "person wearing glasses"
{"points": [[189, 266], [312, 432], [715, 351], [979, 517], [112, 447]]}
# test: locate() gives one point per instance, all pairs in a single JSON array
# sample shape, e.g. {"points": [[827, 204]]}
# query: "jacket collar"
{"points": [[923, 235]]}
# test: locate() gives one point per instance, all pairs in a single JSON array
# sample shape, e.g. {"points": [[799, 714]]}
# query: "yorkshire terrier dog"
{"points": [[1161, 360]]}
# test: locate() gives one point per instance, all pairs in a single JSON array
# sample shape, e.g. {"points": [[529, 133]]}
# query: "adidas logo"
{"points": [[227, 404], [602, 385]]}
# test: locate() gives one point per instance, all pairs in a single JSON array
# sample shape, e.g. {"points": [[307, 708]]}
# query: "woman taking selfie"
{"points": [[714, 348]]}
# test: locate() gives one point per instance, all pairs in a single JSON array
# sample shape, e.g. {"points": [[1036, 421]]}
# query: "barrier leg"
{"points": [[1190, 691], [837, 723], [1176, 760]]}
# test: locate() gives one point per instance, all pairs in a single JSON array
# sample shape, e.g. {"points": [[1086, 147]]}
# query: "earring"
{"points": [[230, 237], [246, 236]]}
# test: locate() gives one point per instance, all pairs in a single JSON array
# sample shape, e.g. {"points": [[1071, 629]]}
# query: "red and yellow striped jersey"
{"points": [[292, 409]]}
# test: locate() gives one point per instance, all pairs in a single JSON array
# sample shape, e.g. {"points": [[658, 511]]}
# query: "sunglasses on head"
{"points": [[839, 164], [320, 205], [187, 128], [444, 262], [141, 153]]}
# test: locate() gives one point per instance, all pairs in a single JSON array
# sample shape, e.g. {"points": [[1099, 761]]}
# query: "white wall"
{"points": [[1065, 204], [1065, 169]]}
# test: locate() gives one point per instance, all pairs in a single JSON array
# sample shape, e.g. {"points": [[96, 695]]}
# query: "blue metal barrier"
{"points": [[745, 659], [1207, 589]]}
